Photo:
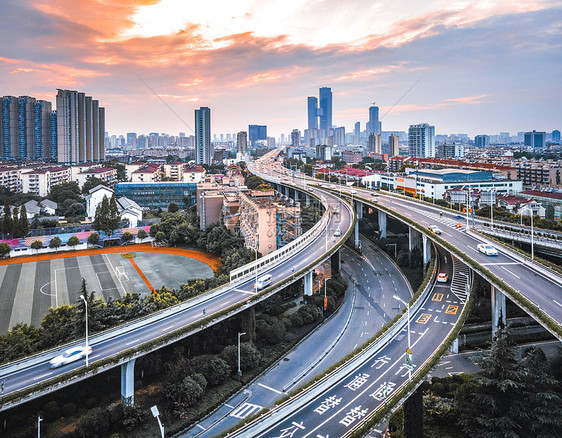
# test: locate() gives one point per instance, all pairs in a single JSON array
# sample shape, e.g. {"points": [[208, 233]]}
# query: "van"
{"points": [[264, 281], [337, 233]]}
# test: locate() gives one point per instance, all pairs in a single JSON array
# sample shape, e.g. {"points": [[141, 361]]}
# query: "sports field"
{"points": [[30, 285]]}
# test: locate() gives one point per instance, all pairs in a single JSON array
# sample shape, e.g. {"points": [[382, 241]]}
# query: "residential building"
{"points": [[324, 152], [450, 150], [174, 170], [194, 174], [535, 139], [39, 181], [393, 145], [107, 175], [295, 138], [10, 179], [203, 152], [339, 136], [80, 128], [551, 201], [312, 112], [555, 136], [128, 209], [352, 157], [421, 140], [149, 173], [481, 141], [521, 206], [156, 195], [375, 143], [242, 142], [131, 167]]}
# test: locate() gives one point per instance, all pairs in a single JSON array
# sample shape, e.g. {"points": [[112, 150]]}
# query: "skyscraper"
{"points": [[9, 127], [375, 143], [481, 141], [325, 110], [242, 142], [339, 136], [373, 125], [535, 139], [295, 138], [556, 136], [256, 133], [41, 129], [203, 135], [393, 145], [312, 113], [421, 140]]}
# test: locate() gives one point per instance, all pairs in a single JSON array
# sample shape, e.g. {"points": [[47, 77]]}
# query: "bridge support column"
{"points": [[382, 224], [308, 283], [359, 209], [357, 243], [248, 322], [296, 196], [455, 346], [128, 382], [336, 262], [426, 250], [414, 239], [307, 200], [499, 314]]}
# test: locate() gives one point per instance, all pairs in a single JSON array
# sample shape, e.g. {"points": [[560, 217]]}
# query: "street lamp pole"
{"points": [[39, 420], [86, 307], [156, 414], [239, 369], [467, 208], [492, 209], [408, 310], [532, 237]]}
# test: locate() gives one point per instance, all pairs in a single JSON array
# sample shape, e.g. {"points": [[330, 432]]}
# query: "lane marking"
{"points": [[515, 275], [198, 425], [44, 375], [271, 389], [557, 303], [133, 342]]}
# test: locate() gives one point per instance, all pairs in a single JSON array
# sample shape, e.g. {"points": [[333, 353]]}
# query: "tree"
{"points": [[215, 369], [15, 223], [23, 227], [160, 236], [95, 312], [250, 356], [55, 324], [141, 234], [114, 217], [173, 207], [55, 243], [37, 245], [93, 238], [4, 249], [102, 212], [73, 241], [91, 183], [7, 225], [127, 236], [61, 192]]}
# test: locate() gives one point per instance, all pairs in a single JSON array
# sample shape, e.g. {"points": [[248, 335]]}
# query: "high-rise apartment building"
{"points": [[132, 139], [242, 142], [257, 133], [375, 143], [26, 130], [203, 151], [80, 128], [374, 125], [393, 145], [339, 136], [357, 133], [535, 139], [325, 110], [556, 136], [421, 140], [481, 141], [295, 138]]}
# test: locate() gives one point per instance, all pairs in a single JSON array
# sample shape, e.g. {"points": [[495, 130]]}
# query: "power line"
{"points": [[403, 96], [168, 106]]}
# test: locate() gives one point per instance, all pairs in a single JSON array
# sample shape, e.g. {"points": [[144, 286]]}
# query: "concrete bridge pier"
{"points": [[382, 224], [455, 346], [335, 260], [307, 200], [308, 283], [357, 242], [128, 382], [248, 322], [359, 209], [426, 250], [296, 196], [499, 310], [414, 239]]}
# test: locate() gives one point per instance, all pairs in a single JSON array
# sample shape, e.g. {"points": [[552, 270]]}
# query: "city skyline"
{"points": [[476, 63]]}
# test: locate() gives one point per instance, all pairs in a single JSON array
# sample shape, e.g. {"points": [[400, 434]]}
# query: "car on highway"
{"points": [[442, 278], [71, 355], [354, 192], [458, 225], [435, 229], [336, 210], [458, 217], [489, 250], [337, 233]]}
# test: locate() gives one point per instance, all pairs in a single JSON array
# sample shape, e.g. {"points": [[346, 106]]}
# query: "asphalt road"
{"points": [[28, 374], [366, 308], [358, 394]]}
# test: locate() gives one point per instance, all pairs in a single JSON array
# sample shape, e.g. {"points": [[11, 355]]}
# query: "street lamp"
{"points": [[156, 414], [86, 307], [396, 297], [390, 244], [239, 370], [39, 420], [492, 202]]}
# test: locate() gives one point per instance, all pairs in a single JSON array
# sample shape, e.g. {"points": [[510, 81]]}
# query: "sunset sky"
{"points": [[485, 66]]}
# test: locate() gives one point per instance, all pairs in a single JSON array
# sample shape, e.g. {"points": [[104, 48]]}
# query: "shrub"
{"points": [[93, 238], [51, 411], [127, 236], [142, 234], [68, 409]]}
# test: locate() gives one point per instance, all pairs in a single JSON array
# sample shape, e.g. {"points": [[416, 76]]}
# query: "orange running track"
{"points": [[209, 259]]}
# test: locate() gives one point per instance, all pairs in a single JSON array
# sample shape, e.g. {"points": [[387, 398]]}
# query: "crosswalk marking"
{"points": [[245, 410]]}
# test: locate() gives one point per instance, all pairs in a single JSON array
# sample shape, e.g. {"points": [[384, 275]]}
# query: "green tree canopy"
{"points": [[93, 238], [23, 227], [55, 242], [37, 244], [73, 241], [91, 183]]}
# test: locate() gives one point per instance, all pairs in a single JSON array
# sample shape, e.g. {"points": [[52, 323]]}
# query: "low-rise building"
{"points": [[149, 173], [39, 181], [194, 174], [154, 195], [522, 206], [107, 175], [10, 179], [174, 170], [128, 209]]}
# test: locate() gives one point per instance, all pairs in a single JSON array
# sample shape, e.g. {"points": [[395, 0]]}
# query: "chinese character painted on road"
{"points": [[383, 391], [290, 431], [381, 361], [358, 382], [330, 402], [404, 370], [355, 414]]}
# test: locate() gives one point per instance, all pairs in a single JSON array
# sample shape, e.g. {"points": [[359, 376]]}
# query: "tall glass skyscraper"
{"points": [[373, 126], [203, 135], [256, 132], [312, 112], [325, 110]]}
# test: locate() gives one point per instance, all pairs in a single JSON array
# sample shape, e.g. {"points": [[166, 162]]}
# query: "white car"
{"points": [[71, 355], [489, 250], [337, 233], [435, 229]]}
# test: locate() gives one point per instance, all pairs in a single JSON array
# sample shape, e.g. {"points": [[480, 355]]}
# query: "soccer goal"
{"points": [[120, 273]]}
